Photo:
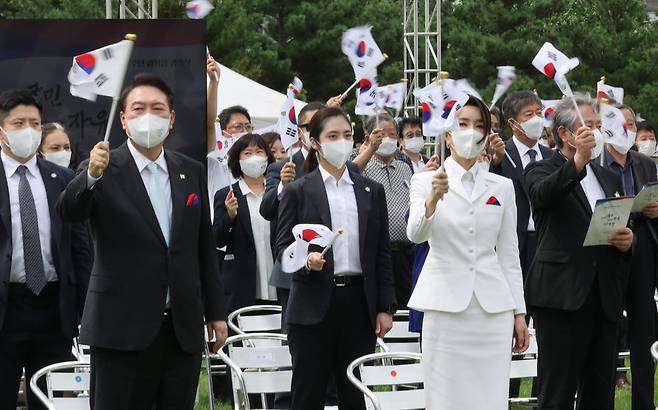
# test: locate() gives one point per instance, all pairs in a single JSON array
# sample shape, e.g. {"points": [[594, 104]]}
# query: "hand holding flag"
{"points": [[294, 256]]}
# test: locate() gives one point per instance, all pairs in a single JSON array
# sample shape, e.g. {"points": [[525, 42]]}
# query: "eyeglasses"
{"points": [[240, 127], [304, 126]]}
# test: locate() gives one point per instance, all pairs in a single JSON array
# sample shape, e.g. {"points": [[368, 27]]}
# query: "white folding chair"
{"points": [[63, 377], [81, 352], [256, 319], [399, 338], [654, 351], [524, 366], [389, 380], [257, 368]]}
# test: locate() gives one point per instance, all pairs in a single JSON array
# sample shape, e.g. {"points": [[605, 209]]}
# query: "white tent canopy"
{"points": [[262, 103]]}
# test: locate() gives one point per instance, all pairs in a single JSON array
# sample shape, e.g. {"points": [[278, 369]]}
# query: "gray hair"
{"points": [[515, 102], [625, 107], [565, 114], [370, 123]]}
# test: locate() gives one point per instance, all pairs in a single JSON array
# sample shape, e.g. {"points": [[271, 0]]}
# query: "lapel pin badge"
{"points": [[182, 176], [53, 175], [367, 189]]}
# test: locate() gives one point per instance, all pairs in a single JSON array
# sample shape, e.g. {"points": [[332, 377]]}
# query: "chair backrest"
{"points": [[399, 338], [525, 364], [63, 377], [256, 319], [654, 351], [80, 351], [256, 367], [389, 380]]}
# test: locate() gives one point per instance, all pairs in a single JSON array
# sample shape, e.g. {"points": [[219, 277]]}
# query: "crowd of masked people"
{"points": [[140, 247]]}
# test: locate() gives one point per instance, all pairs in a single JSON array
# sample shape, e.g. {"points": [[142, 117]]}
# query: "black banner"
{"points": [[37, 54]]}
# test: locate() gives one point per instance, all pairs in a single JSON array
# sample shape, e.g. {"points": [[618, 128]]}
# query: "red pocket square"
{"points": [[493, 201], [192, 200]]}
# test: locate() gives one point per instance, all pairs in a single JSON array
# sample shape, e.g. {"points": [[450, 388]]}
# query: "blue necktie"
{"points": [[533, 156], [35, 275], [158, 201]]}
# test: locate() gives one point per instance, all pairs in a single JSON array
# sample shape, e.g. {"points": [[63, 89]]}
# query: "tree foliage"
{"points": [[272, 40]]}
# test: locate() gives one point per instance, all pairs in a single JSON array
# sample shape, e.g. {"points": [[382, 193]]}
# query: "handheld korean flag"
{"points": [[390, 96], [612, 94], [101, 72], [361, 49], [294, 256], [287, 124], [198, 9], [366, 95], [554, 64], [506, 76], [431, 105], [455, 96], [223, 144], [614, 129], [547, 109]]}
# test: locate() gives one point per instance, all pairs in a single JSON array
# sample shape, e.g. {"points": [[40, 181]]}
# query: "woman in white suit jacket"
{"points": [[470, 287]]}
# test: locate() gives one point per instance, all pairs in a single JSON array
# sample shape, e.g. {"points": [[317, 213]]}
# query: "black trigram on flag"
{"points": [[100, 80], [291, 132], [107, 53]]}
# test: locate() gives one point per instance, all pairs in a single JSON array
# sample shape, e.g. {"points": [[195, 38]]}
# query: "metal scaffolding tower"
{"points": [[422, 47], [134, 9]]}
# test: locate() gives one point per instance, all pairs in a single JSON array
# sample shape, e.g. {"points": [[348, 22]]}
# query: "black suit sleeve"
{"points": [[75, 203], [270, 203], [223, 225], [548, 188], [384, 268], [211, 283]]}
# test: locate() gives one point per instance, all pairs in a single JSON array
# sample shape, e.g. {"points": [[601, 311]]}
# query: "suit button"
{"points": [[470, 250], [471, 230], [471, 269], [471, 212]]}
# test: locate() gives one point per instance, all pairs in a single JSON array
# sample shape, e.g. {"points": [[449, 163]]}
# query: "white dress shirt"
{"points": [[344, 214], [592, 187], [261, 231], [418, 166], [459, 174], [163, 174], [17, 271], [525, 160]]}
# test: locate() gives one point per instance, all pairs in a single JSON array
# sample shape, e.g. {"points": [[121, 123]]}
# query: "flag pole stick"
{"points": [[356, 82], [110, 119], [442, 143], [339, 232]]}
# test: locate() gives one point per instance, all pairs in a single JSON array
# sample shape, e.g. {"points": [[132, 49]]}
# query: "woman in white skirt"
{"points": [[470, 287]]}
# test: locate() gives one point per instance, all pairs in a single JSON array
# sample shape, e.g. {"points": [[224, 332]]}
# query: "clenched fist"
{"points": [[99, 158]]}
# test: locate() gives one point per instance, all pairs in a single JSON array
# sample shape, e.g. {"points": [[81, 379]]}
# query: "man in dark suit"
{"points": [[576, 292], [155, 279], [44, 262], [634, 171], [523, 112]]}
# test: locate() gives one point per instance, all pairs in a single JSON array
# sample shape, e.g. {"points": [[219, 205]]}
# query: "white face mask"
{"points": [[468, 143], [337, 152], [544, 142], [61, 158], [387, 147], [647, 147], [148, 130], [254, 166], [238, 135], [533, 128], [24, 142], [414, 144], [623, 144]]}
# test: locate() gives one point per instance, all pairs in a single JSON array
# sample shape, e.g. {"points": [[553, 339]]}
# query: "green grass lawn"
{"points": [[622, 397]]}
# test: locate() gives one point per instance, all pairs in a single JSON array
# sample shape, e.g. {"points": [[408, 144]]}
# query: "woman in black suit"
{"points": [[239, 226], [338, 303]]}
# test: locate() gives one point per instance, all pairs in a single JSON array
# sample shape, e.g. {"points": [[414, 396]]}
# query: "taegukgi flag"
{"points": [[361, 49], [287, 124], [294, 256], [366, 95], [555, 64], [612, 94], [100, 72]]}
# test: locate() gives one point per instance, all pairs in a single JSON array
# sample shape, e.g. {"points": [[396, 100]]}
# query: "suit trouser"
{"points": [[642, 319], [402, 259], [30, 339], [162, 376], [577, 352], [327, 348]]}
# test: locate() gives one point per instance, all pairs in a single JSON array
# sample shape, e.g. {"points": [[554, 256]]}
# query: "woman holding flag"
{"points": [[343, 298], [470, 287]]}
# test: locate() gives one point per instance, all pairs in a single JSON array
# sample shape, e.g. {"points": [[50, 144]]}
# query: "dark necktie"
{"points": [[35, 276], [533, 156]]}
